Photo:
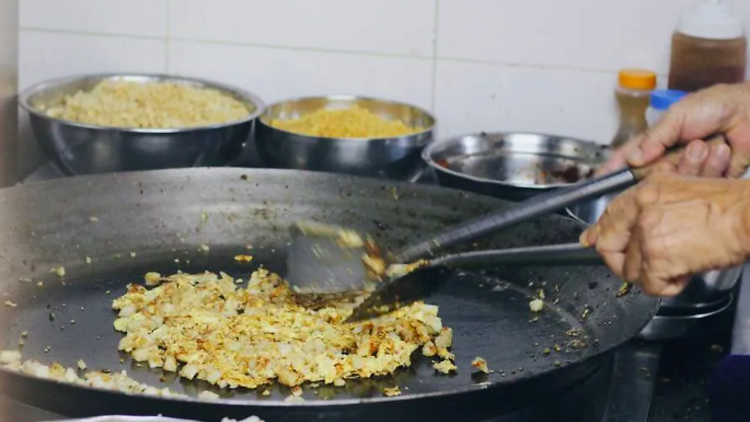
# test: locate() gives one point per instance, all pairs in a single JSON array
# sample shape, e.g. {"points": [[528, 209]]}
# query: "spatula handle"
{"points": [[527, 210], [564, 254]]}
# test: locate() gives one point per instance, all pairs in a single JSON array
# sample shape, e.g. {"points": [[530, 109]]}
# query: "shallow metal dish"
{"points": [[86, 149], [512, 166], [396, 158]]}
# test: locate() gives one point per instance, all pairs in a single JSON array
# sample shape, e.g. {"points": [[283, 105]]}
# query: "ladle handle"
{"points": [[533, 208], [564, 254]]}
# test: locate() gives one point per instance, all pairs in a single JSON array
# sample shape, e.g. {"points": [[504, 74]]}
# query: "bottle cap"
{"points": [[662, 99], [637, 79], [712, 19]]}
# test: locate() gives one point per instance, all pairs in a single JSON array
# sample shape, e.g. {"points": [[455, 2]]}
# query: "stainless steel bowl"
{"points": [[512, 166], [85, 149], [396, 158]]}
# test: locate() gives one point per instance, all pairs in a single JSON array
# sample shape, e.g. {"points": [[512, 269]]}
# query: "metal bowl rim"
{"points": [[24, 95], [348, 97], [427, 158]]}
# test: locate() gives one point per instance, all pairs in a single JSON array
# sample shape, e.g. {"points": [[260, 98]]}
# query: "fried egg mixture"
{"points": [[207, 327]]}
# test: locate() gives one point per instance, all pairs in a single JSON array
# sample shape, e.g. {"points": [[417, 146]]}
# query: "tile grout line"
{"points": [[535, 66], [89, 34], [434, 55], [303, 49], [434, 59]]}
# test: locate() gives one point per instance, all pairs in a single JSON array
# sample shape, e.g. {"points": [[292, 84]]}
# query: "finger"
{"points": [[633, 261], [615, 261], [616, 161], [615, 226], [664, 286], [692, 160], [653, 284], [588, 238], [664, 166], [652, 144], [717, 163], [674, 287]]}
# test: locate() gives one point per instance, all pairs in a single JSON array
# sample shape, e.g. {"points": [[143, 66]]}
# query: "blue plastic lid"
{"points": [[662, 99]]}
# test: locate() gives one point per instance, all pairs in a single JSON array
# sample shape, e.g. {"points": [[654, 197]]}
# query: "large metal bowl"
{"points": [[396, 158], [513, 166], [86, 149]]}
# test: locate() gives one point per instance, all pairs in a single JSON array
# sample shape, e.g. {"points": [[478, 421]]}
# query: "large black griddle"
{"points": [[165, 216]]}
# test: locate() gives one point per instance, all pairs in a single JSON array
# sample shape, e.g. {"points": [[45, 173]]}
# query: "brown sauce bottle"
{"points": [[709, 47]]}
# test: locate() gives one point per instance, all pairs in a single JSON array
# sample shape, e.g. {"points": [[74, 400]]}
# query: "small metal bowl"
{"points": [[395, 158], [81, 148], [513, 166]]}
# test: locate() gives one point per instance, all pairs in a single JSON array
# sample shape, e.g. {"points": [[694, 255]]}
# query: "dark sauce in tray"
{"points": [[572, 174]]}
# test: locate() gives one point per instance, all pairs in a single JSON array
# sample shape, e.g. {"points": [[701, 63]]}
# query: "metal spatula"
{"points": [[317, 263], [429, 277], [323, 259]]}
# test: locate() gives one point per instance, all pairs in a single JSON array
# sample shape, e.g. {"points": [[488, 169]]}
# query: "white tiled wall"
{"points": [[480, 65]]}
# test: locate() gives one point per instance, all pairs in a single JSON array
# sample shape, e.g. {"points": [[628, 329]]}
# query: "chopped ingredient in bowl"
{"points": [[354, 122], [204, 326], [148, 105]]}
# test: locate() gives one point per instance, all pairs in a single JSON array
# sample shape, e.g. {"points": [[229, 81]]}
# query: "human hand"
{"points": [[721, 109], [668, 227]]}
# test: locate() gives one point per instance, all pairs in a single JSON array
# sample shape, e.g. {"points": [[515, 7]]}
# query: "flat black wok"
{"points": [[156, 221]]}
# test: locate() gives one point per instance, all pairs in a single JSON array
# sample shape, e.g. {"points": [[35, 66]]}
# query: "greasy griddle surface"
{"points": [[168, 215], [490, 319]]}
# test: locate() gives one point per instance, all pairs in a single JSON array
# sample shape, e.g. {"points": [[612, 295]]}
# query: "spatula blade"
{"points": [[401, 291], [324, 259]]}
